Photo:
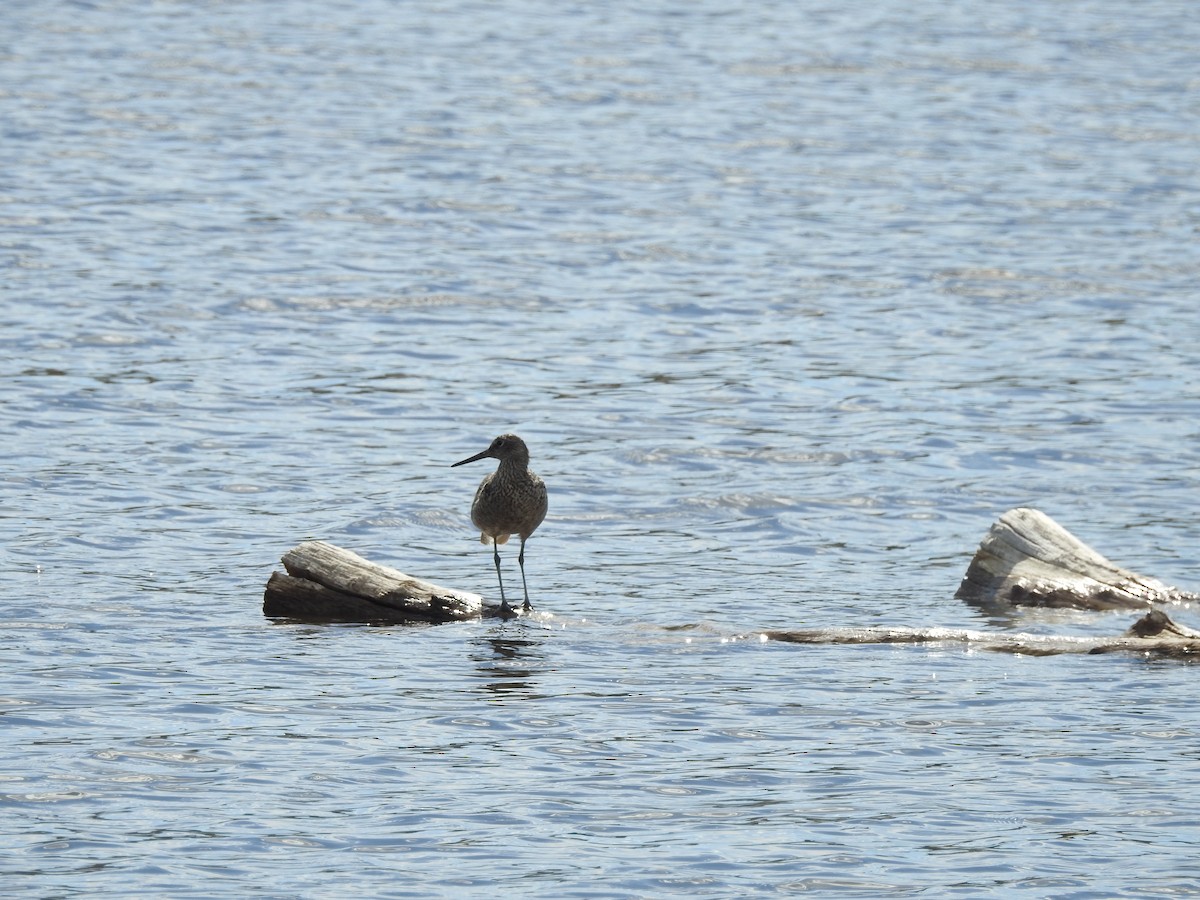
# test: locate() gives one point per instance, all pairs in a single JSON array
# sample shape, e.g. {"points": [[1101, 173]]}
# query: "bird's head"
{"points": [[505, 447]]}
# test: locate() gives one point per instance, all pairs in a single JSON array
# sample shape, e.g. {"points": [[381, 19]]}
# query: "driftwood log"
{"points": [[1154, 633], [1028, 559], [325, 583]]}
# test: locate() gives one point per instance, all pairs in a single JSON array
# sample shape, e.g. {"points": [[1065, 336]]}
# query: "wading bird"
{"points": [[512, 500]]}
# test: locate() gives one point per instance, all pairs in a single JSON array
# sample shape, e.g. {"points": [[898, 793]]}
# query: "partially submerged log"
{"points": [[1154, 634], [325, 583], [1028, 559]]}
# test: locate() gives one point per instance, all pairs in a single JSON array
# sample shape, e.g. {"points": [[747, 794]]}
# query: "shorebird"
{"points": [[512, 500]]}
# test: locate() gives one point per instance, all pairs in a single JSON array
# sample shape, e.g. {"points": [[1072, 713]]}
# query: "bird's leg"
{"points": [[505, 609], [524, 586]]}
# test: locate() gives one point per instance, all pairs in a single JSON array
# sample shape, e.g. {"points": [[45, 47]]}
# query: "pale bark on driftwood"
{"points": [[1028, 559], [326, 583], [1154, 634]]}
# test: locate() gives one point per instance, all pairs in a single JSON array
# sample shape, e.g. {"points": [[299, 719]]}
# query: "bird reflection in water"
{"points": [[509, 665]]}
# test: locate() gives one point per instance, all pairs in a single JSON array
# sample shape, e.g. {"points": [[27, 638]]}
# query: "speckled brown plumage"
{"points": [[511, 500]]}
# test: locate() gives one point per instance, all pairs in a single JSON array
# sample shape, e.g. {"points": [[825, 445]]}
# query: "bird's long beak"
{"points": [[477, 456]]}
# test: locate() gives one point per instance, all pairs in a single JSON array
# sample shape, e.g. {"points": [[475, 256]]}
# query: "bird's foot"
{"points": [[506, 611], [526, 606]]}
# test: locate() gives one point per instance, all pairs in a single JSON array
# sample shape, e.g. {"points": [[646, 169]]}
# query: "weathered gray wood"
{"points": [[289, 597], [1028, 559], [329, 583], [1155, 633]]}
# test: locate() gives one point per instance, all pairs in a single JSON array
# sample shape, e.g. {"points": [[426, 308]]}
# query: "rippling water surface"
{"points": [[790, 302]]}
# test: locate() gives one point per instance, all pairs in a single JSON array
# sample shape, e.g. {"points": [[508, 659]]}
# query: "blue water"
{"points": [[790, 303]]}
